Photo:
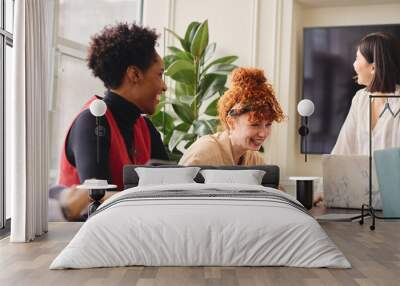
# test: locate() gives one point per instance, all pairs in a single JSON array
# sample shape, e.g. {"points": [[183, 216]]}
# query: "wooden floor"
{"points": [[374, 255]]}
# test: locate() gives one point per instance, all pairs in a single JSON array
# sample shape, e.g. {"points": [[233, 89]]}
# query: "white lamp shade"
{"points": [[305, 107], [98, 107]]}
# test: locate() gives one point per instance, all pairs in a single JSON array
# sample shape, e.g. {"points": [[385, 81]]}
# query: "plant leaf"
{"points": [[209, 52], [174, 50], [190, 142], [214, 123], [161, 104], [174, 34], [167, 137], [200, 40], [186, 99], [184, 127], [175, 139], [174, 155], [168, 60], [179, 54], [184, 112], [191, 31], [162, 119], [222, 91], [223, 60], [210, 85], [183, 89], [212, 109], [223, 69], [203, 127], [184, 44], [190, 136], [182, 71]]}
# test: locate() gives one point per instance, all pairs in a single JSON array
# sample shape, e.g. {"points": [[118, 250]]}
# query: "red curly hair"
{"points": [[249, 93]]}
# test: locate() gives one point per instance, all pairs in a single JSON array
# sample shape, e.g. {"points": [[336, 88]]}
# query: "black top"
{"points": [[81, 143]]}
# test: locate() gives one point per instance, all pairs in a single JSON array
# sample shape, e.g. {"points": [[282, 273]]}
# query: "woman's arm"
{"points": [[75, 201], [82, 147]]}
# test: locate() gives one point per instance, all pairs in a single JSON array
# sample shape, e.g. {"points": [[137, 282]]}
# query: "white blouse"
{"points": [[354, 136]]}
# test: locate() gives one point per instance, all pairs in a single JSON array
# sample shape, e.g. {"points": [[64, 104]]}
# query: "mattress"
{"points": [[201, 225]]}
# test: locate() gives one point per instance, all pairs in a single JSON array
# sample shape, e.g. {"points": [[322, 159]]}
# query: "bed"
{"points": [[201, 224]]}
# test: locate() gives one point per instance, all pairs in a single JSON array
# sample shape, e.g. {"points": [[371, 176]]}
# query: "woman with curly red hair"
{"points": [[246, 111]]}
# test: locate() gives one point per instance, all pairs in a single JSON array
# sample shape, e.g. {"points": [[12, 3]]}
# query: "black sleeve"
{"points": [[82, 147], [157, 146]]}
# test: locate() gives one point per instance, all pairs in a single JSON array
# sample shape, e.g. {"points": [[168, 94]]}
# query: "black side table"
{"points": [[304, 190]]}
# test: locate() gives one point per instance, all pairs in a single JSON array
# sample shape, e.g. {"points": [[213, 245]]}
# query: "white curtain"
{"points": [[28, 121]]}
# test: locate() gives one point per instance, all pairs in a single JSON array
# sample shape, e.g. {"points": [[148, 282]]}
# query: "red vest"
{"points": [[118, 155]]}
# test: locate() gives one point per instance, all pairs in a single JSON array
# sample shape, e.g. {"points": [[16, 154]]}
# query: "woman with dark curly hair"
{"points": [[124, 58], [246, 111]]}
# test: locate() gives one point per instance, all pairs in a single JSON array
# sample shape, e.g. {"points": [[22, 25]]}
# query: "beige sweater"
{"points": [[216, 150]]}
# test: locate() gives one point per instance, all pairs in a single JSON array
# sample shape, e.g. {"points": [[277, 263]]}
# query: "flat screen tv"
{"points": [[328, 57]]}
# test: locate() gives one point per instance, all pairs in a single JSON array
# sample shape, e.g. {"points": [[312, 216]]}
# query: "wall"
{"points": [[268, 34], [227, 29]]}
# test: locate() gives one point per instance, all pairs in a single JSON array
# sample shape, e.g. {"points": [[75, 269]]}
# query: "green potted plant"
{"points": [[197, 82]]}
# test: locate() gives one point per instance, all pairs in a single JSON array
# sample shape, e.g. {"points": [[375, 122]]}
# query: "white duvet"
{"points": [[207, 230]]}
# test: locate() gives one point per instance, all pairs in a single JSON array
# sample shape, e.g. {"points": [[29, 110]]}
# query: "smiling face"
{"points": [[364, 69], [148, 86], [246, 134]]}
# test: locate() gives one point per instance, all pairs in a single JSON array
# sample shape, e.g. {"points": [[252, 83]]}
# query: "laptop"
{"points": [[346, 182]]}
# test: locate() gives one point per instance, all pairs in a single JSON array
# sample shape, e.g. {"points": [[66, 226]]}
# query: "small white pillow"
{"points": [[248, 177], [166, 176]]}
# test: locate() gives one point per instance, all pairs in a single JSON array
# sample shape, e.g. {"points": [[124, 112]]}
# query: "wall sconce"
{"points": [[97, 188], [98, 108], [305, 108]]}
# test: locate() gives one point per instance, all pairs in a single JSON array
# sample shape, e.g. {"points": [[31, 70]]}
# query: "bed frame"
{"points": [[270, 179]]}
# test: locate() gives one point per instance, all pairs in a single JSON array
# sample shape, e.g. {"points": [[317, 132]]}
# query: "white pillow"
{"points": [[166, 176], [248, 177]]}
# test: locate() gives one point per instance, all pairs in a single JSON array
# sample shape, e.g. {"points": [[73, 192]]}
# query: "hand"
{"points": [[73, 201], [318, 198]]}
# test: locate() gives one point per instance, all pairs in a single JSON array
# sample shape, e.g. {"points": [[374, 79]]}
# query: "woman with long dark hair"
{"points": [[377, 66]]}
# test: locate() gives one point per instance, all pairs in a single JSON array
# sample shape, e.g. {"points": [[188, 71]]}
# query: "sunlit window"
{"points": [[9, 15], [6, 68]]}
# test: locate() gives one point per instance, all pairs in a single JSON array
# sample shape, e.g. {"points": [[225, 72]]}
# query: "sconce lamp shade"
{"points": [[98, 107], [305, 107]]}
